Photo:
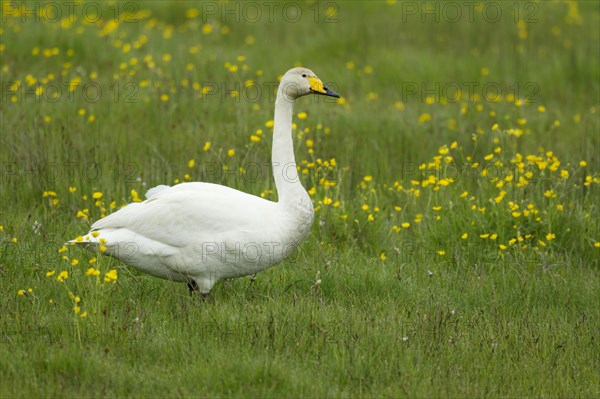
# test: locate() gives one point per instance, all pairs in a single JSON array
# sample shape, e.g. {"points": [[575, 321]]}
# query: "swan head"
{"points": [[298, 82]]}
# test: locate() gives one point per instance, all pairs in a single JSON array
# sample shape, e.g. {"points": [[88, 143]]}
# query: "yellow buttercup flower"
{"points": [[110, 276], [425, 117]]}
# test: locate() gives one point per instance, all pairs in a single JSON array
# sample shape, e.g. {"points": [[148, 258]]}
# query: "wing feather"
{"points": [[182, 214]]}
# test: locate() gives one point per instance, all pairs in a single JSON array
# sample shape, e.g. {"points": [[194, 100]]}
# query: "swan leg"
{"points": [[203, 285], [192, 286]]}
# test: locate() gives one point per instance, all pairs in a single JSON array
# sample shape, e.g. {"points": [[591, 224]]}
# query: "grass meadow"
{"points": [[456, 244]]}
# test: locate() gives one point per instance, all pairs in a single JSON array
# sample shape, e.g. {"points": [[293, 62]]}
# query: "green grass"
{"points": [[406, 306]]}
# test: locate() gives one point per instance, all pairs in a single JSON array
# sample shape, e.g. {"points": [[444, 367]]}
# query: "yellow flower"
{"points": [[550, 236], [464, 236], [382, 256], [97, 195], [365, 207], [254, 138], [583, 164], [368, 178], [191, 163], [134, 196], [270, 123], [74, 262], [312, 191], [425, 117], [230, 152], [110, 276], [405, 225], [62, 276], [441, 252], [164, 97], [327, 201], [309, 143], [21, 293], [302, 115], [206, 146], [92, 272], [50, 274], [370, 218]]}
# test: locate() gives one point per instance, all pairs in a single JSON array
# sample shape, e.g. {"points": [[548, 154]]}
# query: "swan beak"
{"points": [[316, 86]]}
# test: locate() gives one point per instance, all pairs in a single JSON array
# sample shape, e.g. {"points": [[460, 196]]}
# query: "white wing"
{"points": [[186, 213]]}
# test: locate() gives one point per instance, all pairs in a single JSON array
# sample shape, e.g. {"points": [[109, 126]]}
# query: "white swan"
{"points": [[200, 233]]}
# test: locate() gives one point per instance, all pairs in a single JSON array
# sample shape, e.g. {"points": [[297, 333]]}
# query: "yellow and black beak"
{"points": [[316, 86]]}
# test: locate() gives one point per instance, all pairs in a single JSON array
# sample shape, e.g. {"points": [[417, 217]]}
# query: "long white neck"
{"points": [[289, 189]]}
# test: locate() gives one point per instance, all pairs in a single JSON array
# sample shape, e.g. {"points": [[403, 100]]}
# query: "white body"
{"points": [[205, 232]]}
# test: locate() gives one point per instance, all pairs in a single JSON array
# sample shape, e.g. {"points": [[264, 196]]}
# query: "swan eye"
{"points": [[303, 75]]}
